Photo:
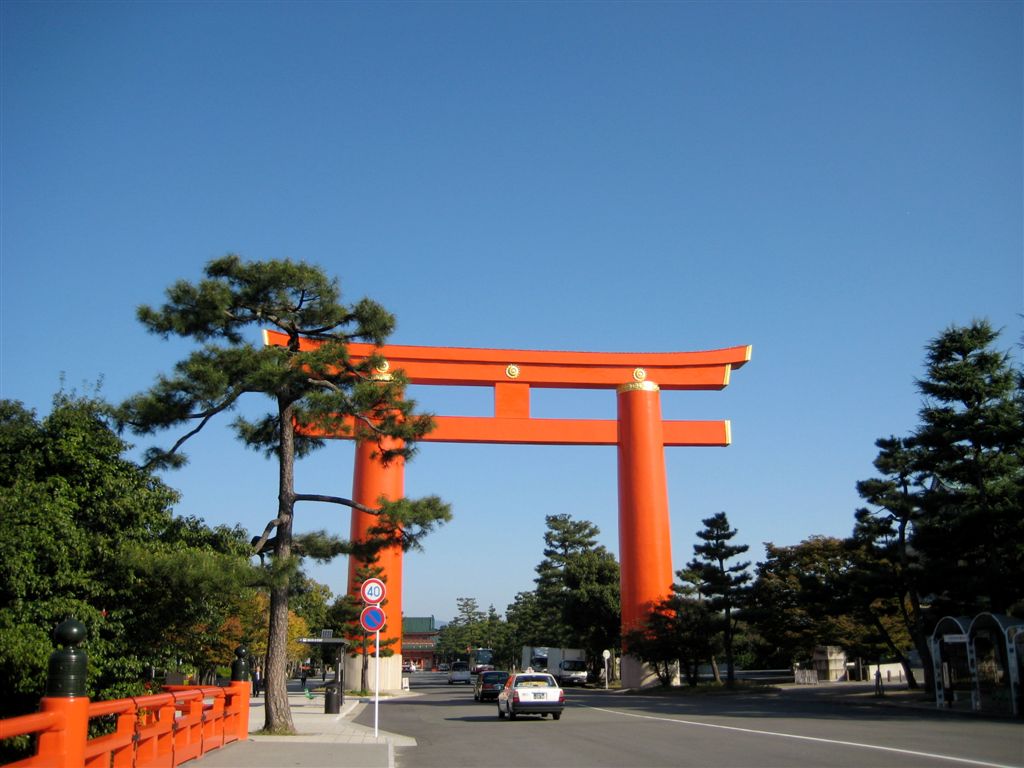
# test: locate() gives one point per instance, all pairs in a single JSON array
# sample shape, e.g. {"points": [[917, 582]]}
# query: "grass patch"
{"points": [[275, 732]]}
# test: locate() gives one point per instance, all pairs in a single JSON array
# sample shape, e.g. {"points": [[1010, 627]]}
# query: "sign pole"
{"points": [[373, 592], [376, 685]]}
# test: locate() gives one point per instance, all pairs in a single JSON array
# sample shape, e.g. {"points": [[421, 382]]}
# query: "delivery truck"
{"points": [[568, 665]]}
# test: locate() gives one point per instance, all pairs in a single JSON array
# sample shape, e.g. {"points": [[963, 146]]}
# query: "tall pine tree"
{"points": [[317, 387], [944, 534], [723, 584], [971, 447]]}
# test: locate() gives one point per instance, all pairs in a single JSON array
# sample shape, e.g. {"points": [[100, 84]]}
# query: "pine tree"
{"points": [[577, 588], [315, 387], [970, 445], [944, 534], [722, 584]]}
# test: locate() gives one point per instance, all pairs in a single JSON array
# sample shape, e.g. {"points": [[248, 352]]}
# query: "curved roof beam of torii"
{"points": [[511, 372]]}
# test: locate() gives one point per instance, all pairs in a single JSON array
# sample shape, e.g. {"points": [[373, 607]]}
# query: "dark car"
{"points": [[489, 684]]}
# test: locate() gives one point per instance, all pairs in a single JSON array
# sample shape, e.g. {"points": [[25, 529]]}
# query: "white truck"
{"points": [[568, 665], [535, 657]]}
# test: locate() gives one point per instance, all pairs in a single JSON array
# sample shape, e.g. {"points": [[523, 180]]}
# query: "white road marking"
{"points": [[756, 732]]}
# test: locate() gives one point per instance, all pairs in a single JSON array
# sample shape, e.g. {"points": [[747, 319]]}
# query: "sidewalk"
{"points": [[322, 740], [895, 696]]}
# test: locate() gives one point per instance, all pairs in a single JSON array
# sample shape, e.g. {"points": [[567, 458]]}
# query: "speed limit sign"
{"points": [[372, 591]]}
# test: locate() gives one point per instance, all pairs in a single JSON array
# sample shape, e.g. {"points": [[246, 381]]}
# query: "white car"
{"points": [[459, 673], [531, 693]]}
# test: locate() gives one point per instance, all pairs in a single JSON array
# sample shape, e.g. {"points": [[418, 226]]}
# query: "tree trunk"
{"points": [[730, 673], [920, 638], [911, 619], [364, 681], [714, 670], [278, 714], [887, 639]]}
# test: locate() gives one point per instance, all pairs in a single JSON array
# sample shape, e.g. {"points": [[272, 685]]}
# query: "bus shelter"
{"points": [[979, 663]]}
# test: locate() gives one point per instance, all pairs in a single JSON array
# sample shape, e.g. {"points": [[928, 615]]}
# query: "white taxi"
{"points": [[531, 693]]}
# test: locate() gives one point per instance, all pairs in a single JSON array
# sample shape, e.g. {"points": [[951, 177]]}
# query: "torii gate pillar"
{"points": [[372, 480], [645, 544]]}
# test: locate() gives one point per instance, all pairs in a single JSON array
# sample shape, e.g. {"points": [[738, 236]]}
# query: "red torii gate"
{"points": [[645, 548]]}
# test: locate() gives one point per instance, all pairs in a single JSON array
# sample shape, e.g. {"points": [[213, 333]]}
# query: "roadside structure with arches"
{"points": [[639, 434], [979, 663]]}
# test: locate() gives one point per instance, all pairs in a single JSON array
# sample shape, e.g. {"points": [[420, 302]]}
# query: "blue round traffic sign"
{"points": [[372, 618]]}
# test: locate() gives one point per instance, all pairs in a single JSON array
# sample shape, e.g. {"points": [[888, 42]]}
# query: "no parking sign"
{"points": [[372, 618]]}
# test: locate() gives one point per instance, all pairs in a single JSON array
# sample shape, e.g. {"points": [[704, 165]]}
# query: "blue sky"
{"points": [[833, 183]]}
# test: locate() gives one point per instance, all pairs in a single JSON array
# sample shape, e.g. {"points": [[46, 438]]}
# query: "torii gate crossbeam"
{"points": [[638, 431]]}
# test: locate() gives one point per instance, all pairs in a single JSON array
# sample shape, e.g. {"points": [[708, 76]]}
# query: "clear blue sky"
{"points": [[833, 183]]}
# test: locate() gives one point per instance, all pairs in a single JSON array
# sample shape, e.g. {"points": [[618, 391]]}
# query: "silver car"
{"points": [[531, 693], [459, 673]]}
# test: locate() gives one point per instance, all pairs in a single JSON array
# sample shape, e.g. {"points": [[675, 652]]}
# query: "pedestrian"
{"points": [[878, 681], [304, 674]]}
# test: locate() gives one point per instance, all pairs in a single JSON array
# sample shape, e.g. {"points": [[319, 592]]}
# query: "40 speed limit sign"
{"points": [[372, 591]]}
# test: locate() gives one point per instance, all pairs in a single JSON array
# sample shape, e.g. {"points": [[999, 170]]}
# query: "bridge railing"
{"points": [[159, 730]]}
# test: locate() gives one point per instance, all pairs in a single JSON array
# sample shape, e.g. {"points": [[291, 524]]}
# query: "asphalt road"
{"points": [[799, 727]]}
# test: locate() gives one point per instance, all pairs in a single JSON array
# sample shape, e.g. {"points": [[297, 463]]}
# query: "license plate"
{"points": [[540, 696]]}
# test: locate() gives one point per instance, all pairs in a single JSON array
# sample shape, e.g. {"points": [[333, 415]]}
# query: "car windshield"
{"points": [[534, 681], [493, 677], [460, 666]]}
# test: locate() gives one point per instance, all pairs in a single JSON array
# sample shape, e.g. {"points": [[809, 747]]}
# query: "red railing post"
{"points": [[64, 745], [236, 727], [236, 710]]}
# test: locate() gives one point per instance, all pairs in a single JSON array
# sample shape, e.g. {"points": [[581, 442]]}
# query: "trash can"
{"points": [[332, 698]]}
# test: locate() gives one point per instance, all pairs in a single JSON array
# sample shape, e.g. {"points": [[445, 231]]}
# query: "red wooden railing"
{"points": [[161, 730]]}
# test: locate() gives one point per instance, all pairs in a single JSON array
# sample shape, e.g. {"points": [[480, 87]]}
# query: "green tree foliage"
{"points": [[197, 580], [680, 630], [696, 623], [496, 634], [944, 533], [721, 582], [812, 594], [970, 447], [462, 633], [657, 642], [577, 588], [311, 600], [592, 610], [87, 533], [526, 619], [317, 388]]}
